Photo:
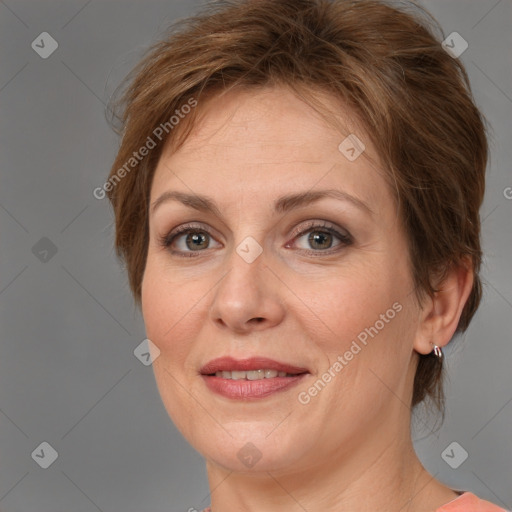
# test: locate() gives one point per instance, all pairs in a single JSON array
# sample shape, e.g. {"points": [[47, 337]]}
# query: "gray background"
{"points": [[68, 374]]}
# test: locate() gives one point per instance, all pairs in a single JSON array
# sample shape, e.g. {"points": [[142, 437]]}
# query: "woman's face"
{"points": [[320, 288]]}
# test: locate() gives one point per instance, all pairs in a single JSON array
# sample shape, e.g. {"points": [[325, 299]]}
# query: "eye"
{"points": [[321, 236], [187, 239]]}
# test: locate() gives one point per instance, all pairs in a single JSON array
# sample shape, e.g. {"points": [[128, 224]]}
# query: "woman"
{"points": [[297, 199]]}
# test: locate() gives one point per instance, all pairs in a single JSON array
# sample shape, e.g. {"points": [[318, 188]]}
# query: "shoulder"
{"points": [[468, 502]]}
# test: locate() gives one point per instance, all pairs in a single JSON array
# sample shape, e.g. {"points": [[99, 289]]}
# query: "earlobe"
{"points": [[439, 317]]}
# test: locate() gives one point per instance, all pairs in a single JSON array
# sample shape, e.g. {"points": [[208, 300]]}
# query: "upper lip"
{"points": [[253, 363]]}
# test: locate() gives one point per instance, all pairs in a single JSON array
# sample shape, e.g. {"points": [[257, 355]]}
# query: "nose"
{"points": [[249, 297]]}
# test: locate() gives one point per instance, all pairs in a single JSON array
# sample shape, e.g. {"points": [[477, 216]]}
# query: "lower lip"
{"points": [[243, 389]]}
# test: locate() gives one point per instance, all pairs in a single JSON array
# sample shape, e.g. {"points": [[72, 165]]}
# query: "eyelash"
{"points": [[345, 239]]}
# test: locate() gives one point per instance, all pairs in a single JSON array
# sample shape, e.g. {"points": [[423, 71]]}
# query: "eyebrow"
{"points": [[282, 205]]}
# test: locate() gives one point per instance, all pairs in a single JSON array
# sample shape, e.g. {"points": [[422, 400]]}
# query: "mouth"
{"points": [[254, 368], [251, 375], [257, 377]]}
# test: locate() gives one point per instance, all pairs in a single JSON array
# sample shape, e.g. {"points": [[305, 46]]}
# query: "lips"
{"points": [[254, 378], [229, 364]]}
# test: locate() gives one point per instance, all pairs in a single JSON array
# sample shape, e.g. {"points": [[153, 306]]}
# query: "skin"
{"points": [[350, 447]]}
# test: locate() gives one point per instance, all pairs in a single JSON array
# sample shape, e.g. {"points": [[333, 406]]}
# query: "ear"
{"points": [[439, 316]]}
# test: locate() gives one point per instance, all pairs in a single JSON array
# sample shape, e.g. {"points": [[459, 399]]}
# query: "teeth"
{"points": [[255, 374], [252, 374]]}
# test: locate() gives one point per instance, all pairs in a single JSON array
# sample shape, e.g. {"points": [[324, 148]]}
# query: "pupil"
{"points": [[321, 238], [197, 239]]}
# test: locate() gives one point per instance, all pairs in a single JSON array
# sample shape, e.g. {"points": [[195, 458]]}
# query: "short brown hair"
{"points": [[384, 62]]}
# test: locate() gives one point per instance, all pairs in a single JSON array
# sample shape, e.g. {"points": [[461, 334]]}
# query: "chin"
{"points": [[251, 450]]}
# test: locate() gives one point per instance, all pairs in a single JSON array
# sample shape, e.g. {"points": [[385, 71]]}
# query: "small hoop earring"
{"points": [[437, 351]]}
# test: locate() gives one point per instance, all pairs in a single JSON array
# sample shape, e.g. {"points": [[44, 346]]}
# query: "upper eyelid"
{"points": [[183, 229], [310, 224], [319, 224]]}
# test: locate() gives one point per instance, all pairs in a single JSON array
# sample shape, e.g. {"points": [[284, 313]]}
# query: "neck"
{"points": [[383, 474]]}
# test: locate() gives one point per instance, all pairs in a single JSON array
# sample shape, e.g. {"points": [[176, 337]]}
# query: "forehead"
{"points": [[269, 139]]}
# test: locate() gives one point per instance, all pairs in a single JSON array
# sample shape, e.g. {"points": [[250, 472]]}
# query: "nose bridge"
{"points": [[246, 291], [246, 268]]}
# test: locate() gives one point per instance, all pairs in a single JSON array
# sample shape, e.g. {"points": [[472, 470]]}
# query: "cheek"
{"points": [[169, 309], [348, 302], [364, 317], [168, 312]]}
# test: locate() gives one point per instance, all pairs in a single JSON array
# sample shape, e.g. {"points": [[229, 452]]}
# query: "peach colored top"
{"points": [[466, 502]]}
